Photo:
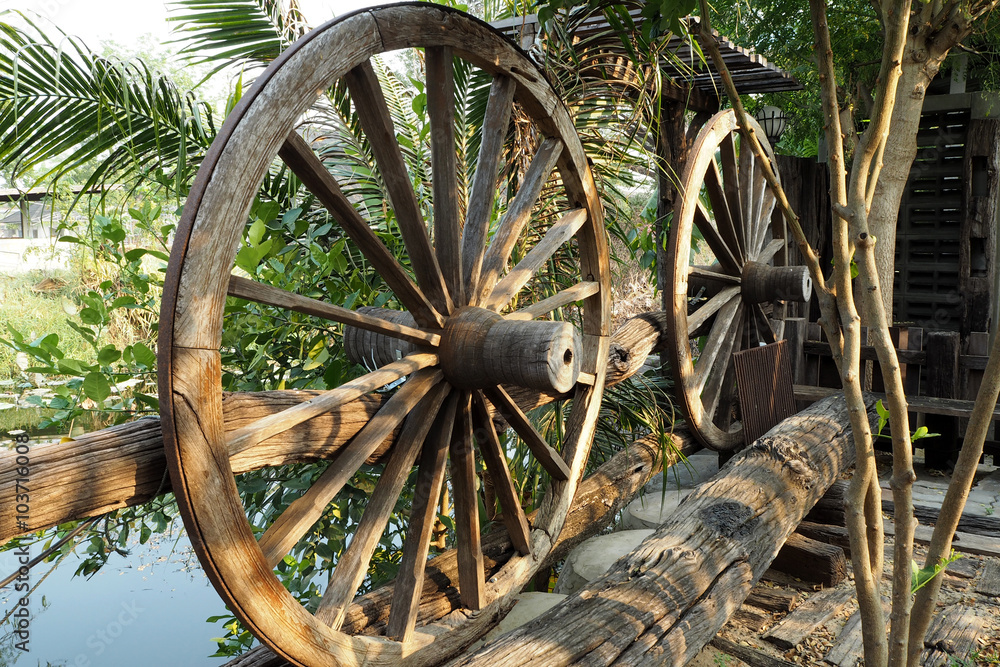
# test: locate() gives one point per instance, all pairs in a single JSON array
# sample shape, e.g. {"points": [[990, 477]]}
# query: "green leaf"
{"points": [[256, 233], [91, 316], [73, 367], [96, 387], [144, 356], [108, 355]]}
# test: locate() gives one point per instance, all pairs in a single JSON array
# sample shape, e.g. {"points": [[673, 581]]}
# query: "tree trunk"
{"points": [[667, 599]]}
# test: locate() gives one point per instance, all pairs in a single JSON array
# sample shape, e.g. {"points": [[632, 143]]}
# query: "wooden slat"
{"points": [[770, 251], [558, 234], [952, 633], [243, 288], [471, 579], [813, 613], [577, 292], [720, 207], [548, 457], [711, 307], [444, 168], [484, 183], [300, 158], [298, 517], [764, 379], [989, 582], [928, 405], [423, 513], [496, 466], [366, 93], [731, 184], [352, 566], [708, 274], [726, 257], [516, 217], [248, 436], [720, 383], [718, 345]]}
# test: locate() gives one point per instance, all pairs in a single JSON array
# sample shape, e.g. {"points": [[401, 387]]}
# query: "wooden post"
{"points": [[942, 382], [977, 235], [667, 599], [671, 149]]}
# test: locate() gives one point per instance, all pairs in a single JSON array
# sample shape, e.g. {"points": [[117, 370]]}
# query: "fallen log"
{"points": [[664, 601], [124, 465], [599, 499]]}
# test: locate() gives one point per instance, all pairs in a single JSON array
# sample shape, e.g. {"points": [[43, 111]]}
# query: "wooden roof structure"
{"points": [[681, 61]]}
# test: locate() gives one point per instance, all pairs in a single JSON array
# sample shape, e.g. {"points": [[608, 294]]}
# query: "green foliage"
{"points": [[920, 577], [883, 420]]}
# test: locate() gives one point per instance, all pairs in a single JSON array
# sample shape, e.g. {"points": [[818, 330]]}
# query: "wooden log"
{"points": [[664, 601], [124, 465], [970, 543], [813, 613], [751, 618], [750, 656], [830, 508], [773, 599], [600, 497], [989, 583], [952, 635], [811, 560], [988, 526]]}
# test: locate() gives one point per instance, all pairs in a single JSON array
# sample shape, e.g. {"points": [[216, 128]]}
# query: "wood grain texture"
{"points": [[514, 220], [518, 277], [409, 582], [300, 158], [440, 90], [577, 292], [471, 578], [242, 288], [548, 457], [352, 566], [670, 591], [298, 517], [266, 427], [366, 93], [482, 194]]}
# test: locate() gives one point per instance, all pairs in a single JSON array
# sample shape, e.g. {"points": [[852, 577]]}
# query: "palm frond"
{"points": [[61, 107], [223, 32]]}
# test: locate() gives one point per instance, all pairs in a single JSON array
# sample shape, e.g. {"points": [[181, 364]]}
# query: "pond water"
{"points": [[148, 608]]}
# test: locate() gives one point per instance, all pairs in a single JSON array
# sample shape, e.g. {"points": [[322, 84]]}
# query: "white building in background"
{"points": [[28, 231]]}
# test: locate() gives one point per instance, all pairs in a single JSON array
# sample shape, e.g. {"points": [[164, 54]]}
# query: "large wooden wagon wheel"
{"points": [[462, 341], [725, 286]]}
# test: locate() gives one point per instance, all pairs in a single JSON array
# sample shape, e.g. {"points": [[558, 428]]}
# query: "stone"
{"points": [[528, 606], [592, 558]]}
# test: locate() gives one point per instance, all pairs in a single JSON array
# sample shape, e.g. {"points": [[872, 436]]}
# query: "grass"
{"points": [[37, 314]]}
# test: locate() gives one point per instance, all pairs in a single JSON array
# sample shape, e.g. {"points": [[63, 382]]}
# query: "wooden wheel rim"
{"points": [[695, 383], [194, 299]]}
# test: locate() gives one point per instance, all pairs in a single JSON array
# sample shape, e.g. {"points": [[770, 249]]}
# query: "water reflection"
{"points": [[148, 608]]}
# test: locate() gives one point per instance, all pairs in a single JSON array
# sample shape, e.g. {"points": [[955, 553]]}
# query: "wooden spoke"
{"points": [[242, 288], [586, 378], [441, 109], [499, 472], [720, 208], [430, 481], [762, 327], [352, 565], [708, 274], [548, 457], [710, 307], [726, 257], [770, 251], [516, 217], [484, 183], [471, 578], [577, 292], [731, 182], [536, 258], [300, 158], [715, 386], [747, 162], [758, 222], [243, 438], [718, 338], [366, 92], [293, 523]]}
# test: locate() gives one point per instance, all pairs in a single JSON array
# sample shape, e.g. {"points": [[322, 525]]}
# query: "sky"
{"points": [[125, 20]]}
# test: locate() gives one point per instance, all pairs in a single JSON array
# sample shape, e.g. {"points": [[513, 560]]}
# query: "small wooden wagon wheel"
{"points": [[724, 288], [460, 342]]}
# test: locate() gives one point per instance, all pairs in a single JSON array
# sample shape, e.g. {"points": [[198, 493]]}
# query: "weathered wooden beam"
{"points": [[600, 497], [124, 465], [811, 560], [667, 599]]}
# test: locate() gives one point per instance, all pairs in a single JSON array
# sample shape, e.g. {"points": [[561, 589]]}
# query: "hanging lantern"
{"points": [[774, 121]]}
